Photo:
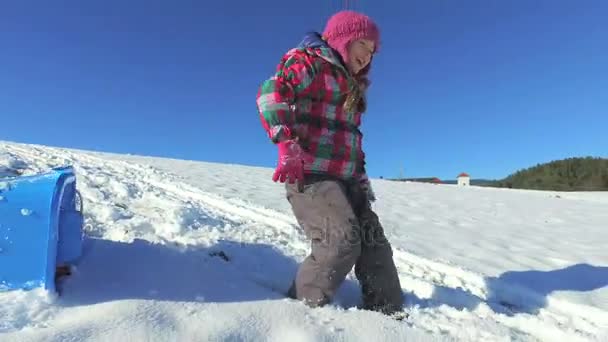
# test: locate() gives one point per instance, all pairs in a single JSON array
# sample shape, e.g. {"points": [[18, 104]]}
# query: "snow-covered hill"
{"points": [[191, 251]]}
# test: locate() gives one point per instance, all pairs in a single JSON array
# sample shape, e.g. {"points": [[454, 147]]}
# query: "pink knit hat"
{"points": [[346, 26]]}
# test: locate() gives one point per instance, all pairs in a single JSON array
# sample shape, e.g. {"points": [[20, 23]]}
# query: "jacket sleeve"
{"points": [[277, 95]]}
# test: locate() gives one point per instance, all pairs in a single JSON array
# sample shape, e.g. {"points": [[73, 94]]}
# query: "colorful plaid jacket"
{"points": [[305, 98]]}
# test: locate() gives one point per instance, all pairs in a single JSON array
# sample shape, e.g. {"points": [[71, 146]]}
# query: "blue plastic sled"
{"points": [[41, 225]]}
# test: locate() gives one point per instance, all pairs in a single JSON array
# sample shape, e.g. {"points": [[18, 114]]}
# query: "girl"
{"points": [[311, 109]]}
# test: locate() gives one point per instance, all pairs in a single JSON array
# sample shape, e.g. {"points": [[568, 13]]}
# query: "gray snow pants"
{"points": [[344, 232]]}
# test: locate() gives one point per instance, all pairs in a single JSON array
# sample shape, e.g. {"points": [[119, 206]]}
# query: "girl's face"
{"points": [[360, 54]]}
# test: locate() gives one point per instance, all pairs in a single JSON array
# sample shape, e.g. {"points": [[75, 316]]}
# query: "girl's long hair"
{"points": [[356, 99]]}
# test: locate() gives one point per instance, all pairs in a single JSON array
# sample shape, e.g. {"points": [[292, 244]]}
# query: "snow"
{"points": [[194, 251], [10, 165], [26, 212]]}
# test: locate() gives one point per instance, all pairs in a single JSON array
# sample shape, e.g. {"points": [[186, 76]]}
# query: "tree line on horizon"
{"points": [[570, 174]]}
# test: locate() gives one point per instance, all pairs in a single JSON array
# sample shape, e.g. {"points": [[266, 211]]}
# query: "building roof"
{"points": [[463, 175]]}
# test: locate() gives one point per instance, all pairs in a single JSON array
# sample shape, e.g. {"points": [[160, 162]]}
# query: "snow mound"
{"points": [[182, 250], [11, 165]]}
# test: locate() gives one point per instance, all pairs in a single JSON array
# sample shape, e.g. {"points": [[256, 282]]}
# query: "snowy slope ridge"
{"points": [[180, 250]]}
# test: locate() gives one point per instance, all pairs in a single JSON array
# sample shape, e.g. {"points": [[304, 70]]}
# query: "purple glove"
{"points": [[290, 166]]}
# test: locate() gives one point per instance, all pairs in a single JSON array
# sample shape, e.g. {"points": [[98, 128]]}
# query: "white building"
{"points": [[464, 179]]}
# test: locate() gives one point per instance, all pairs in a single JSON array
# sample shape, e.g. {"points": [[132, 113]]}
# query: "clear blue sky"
{"points": [[486, 87]]}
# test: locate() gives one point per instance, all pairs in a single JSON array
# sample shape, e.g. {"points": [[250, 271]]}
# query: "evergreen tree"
{"points": [[571, 174]]}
